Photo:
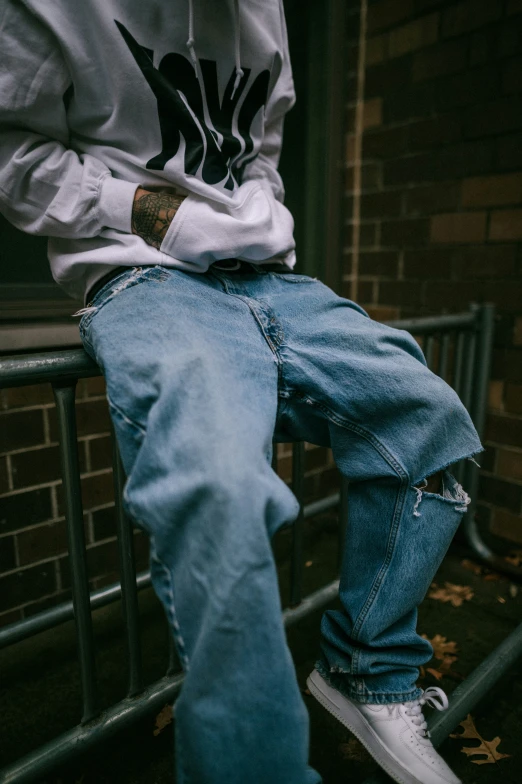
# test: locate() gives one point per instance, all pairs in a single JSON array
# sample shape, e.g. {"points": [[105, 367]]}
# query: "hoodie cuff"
{"points": [[115, 203]]}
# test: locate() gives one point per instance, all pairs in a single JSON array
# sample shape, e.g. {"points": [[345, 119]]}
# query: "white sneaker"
{"points": [[394, 734]]}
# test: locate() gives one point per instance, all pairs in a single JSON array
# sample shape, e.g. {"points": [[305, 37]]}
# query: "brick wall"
{"points": [[436, 112], [34, 566]]}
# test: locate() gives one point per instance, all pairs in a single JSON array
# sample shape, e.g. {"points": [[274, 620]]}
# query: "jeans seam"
{"points": [[399, 506], [125, 418]]}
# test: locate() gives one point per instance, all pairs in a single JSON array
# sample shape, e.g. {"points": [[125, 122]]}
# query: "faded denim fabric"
{"points": [[202, 371]]}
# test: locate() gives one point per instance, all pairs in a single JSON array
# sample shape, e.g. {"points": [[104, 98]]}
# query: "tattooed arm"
{"points": [[152, 214]]}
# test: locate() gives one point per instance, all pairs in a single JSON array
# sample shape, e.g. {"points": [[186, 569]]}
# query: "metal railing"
{"points": [[457, 347]]}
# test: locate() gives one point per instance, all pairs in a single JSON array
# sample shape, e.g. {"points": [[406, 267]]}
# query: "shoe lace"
{"points": [[435, 698]]}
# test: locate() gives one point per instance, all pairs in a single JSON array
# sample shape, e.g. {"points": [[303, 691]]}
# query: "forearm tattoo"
{"points": [[152, 214]]}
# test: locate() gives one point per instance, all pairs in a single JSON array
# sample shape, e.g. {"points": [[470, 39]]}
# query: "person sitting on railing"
{"points": [[144, 139]]}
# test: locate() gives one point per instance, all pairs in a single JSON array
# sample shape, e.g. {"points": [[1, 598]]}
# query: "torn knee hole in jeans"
{"points": [[450, 491]]}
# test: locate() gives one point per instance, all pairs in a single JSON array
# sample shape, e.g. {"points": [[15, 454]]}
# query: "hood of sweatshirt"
{"points": [[102, 96]]}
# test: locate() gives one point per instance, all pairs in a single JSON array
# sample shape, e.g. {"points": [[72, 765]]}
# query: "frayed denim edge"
{"points": [[360, 693]]}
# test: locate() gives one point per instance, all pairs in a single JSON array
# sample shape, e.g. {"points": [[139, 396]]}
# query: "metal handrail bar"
{"points": [[49, 619]]}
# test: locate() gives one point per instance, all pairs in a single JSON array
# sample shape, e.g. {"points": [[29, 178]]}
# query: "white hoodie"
{"points": [[100, 96]]}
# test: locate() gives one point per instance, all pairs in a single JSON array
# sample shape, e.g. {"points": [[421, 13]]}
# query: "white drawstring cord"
{"points": [[191, 42], [237, 48]]}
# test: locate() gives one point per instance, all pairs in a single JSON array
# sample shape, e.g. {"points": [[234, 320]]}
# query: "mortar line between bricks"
{"points": [[54, 483], [9, 469], [502, 477], [36, 406], [46, 426], [35, 448]]}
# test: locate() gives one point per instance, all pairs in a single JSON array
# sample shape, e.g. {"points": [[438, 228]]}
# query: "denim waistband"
{"points": [[225, 265]]}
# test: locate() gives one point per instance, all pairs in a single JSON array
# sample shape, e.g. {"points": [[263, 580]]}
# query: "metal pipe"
{"points": [[421, 326], [85, 736], [28, 627], [343, 520], [129, 592], [444, 355], [64, 396], [428, 353], [296, 564], [68, 364], [469, 693]]}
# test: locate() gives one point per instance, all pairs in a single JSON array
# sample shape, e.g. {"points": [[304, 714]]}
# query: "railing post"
{"points": [[64, 394]]}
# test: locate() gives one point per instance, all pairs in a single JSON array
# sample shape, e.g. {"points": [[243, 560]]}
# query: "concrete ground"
{"points": [[40, 696]]}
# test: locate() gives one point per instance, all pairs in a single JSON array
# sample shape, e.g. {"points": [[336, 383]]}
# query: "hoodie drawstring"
{"points": [[191, 40], [237, 41], [191, 44]]}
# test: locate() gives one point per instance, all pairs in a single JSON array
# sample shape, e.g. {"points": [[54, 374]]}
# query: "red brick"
{"points": [[507, 364], [376, 49], [92, 416], [22, 509], [469, 15], [104, 523], [42, 541], [381, 204], [504, 430], [9, 617], [4, 480], [512, 76], [371, 176], [509, 151], [458, 227], [372, 113], [507, 525], [21, 428], [493, 118], [387, 76], [401, 292], [427, 264], [443, 296], [506, 225], [500, 492], [507, 294], [514, 7], [406, 232], [22, 397], [101, 452], [513, 401], [316, 458], [471, 86], [483, 46], [387, 13], [385, 143], [97, 490], [445, 58], [509, 464], [517, 332], [7, 554], [425, 134], [36, 467], [367, 234], [414, 35], [493, 190], [383, 263], [26, 585], [483, 261], [383, 313], [426, 199]]}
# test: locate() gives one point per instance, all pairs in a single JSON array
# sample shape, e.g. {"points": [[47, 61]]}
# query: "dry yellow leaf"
{"points": [[471, 566], [163, 719], [456, 594], [514, 558], [441, 647], [487, 748]]}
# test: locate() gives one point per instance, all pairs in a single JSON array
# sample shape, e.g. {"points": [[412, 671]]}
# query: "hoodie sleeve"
{"points": [[280, 102], [45, 187]]}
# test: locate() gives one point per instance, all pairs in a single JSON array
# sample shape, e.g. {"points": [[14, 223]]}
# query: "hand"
{"points": [[153, 212]]}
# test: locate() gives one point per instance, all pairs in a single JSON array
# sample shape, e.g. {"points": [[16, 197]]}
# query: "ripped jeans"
{"points": [[203, 371]]}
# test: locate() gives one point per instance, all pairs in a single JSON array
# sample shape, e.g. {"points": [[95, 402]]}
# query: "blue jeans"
{"points": [[203, 371]]}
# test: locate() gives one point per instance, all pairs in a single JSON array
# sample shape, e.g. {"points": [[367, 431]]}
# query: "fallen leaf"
{"points": [[163, 719], [492, 577], [514, 558], [441, 648], [353, 750], [436, 673], [456, 594], [471, 566], [487, 748], [513, 590], [501, 599], [307, 692], [308, 563]]}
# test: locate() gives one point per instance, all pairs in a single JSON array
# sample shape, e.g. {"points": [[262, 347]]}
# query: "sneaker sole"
{"points": [[335, 704]]}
